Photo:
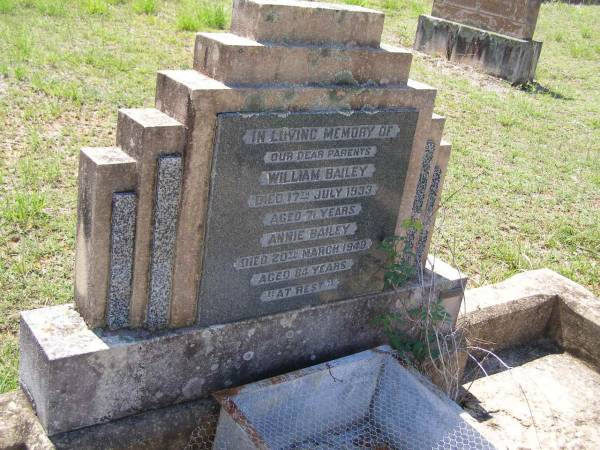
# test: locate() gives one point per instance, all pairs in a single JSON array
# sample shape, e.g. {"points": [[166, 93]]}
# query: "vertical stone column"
{"points": [[149, 135], [102, 172]]}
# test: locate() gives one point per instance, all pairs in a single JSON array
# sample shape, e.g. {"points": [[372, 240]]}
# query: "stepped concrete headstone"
{"points": [[493, 35], [234, 231]]}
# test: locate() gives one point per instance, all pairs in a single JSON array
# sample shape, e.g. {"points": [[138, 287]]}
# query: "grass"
{"points": [[145, 6], [525, 167], [195, 15]]}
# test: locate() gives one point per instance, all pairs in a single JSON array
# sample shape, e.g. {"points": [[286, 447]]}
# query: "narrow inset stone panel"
{"points": [[168, 193], [420, 196], [436, 184], [122, 236], [429, 214]]}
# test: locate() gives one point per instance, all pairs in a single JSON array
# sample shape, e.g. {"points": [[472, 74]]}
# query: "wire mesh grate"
{"points": [[366, 401]]}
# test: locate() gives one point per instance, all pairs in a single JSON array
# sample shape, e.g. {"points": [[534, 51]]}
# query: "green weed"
{"points": [[38, 173], [558, 36], [193, 16], [586, 33], [581, 50], [24, 209], [20, 73], [7, 6], [52, 8], [22, 45], [65, 90], [104, 60], [145, 6], [9, 357], [507, 120], [96, 7]]}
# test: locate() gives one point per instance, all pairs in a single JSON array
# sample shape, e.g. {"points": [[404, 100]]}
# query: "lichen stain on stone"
{"points": [[206, 334], [271, 17], [254, 102], [287, 322], [192, 387], [290, 95], [191, 350], [345, 78]]}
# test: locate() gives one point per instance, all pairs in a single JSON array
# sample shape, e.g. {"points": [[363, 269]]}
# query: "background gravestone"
{"points": [[233, 232], [493, 35]]}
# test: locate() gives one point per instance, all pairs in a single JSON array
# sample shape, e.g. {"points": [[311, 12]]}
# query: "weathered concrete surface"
{"points": [[233, 59], [171, 428], [548, 400], [19, 426], [306, 22], [547, 328], [510, 58], [531, 305], [129, 372], [164, 429], [102, 172], [196, 100], [516, 18]]}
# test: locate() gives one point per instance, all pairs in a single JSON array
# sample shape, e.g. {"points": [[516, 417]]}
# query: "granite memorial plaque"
{"points": [[299, 203]]}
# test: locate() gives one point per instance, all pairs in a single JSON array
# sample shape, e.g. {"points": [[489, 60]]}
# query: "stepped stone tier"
{"points": [[234, 230], [493, 35]]}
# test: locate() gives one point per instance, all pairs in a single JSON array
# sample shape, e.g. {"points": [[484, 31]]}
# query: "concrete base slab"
{"points": [[539, 387], [559, 373], [503, 56], [190, 425], [77, 377], [546, 400]]}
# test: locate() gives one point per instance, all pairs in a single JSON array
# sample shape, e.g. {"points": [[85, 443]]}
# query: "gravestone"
{"points": [[493, 35], [297, 205], [234, 231]]}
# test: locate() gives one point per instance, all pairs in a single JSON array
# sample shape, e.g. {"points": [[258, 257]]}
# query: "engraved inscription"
{"points": [[278, 276], [297, 254], [301, 289], [320, 154], [297, 204], [336, 173], [311, 195], [309, 215], [315, 134], [308, 234]]}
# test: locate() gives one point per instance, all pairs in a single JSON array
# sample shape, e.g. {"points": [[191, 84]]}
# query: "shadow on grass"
{"points": [[533, 87]]}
